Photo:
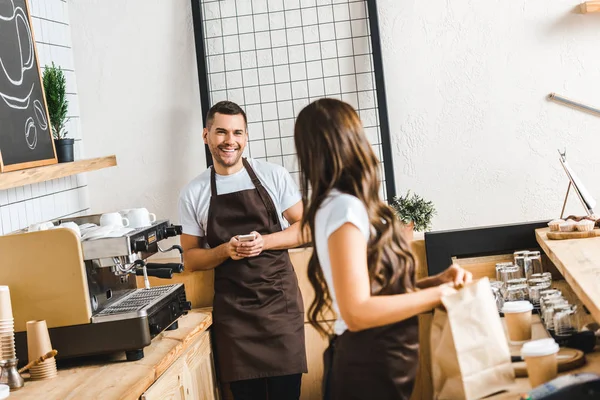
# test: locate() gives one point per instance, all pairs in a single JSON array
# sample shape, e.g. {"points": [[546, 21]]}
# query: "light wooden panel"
{"points": [[199, 285], [46, 276], [418, 249], [315, 346], [191, 377], [300, 259], [48, 172], [482, 266], [577, 260]]}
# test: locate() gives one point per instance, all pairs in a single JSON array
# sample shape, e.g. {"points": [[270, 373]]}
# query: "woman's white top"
{"points": [[337, 209]]}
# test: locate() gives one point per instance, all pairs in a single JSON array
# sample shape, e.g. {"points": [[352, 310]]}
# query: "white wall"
{"points": [[24, 205], [466, 84], [137, 76]]}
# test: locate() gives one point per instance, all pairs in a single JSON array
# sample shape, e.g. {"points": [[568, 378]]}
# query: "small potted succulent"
{"points": [[414, 212], [55, 88]]}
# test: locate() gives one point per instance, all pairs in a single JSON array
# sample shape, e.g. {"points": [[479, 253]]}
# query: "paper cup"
{"points": [[540, 358], [517, 315], [5, 305], [45, 370], [38, 339]]}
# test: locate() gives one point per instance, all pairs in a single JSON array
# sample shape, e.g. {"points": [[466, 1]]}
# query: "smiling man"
{"points": [[258, 315]]}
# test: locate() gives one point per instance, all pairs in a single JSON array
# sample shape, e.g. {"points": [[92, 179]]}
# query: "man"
{"points": [[258, 315]]}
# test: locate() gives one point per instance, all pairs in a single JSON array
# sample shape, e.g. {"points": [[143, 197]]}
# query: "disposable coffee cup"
{"points": [[517, 315], [5, 304], [38, 339], [540, 358]]}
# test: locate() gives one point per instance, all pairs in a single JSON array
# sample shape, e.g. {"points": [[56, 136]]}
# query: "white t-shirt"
{"points": [[337, 209], [194, 199]]}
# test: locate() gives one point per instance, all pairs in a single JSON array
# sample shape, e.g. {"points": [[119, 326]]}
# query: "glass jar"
{"points": [[535, 262], [548, 311], [549, 294], [497, 291], [510, 272], [519, 253], [565, 320], [500, 267], [516, 293], [520, 262], [544, 275], [535, 292], [521, 282]]}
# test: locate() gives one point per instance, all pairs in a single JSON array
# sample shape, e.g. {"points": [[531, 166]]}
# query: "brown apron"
{"points": [[378, 363], [258, 314]]}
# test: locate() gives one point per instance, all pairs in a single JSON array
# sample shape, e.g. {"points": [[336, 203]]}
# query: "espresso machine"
{"points": [[87, 290]]}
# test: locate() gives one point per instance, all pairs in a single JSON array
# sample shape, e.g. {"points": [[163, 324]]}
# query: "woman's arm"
{"points": [[360, 310]]}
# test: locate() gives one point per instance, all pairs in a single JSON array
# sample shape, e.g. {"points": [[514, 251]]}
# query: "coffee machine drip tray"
{"points": [[138, 303]]}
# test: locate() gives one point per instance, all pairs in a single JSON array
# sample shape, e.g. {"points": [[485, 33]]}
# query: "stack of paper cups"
{"points": [[7, 326], [38, 344]]}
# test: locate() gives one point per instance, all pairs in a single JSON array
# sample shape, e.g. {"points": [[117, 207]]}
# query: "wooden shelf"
{"points": [[54, 171], [590, 7], [577, 261]]}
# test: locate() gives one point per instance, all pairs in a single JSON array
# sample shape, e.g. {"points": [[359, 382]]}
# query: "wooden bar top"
{"points": [[578, 261], [116, 378]]}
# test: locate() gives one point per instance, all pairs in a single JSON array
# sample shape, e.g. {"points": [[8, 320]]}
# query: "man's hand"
{"points": [[233, 247], [250, 249]]}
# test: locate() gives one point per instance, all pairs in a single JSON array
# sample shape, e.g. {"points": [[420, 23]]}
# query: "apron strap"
{"points": [[266, 199], [213, 182]]}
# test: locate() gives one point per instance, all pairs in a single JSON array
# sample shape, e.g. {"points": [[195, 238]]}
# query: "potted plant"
{"points": [[414, 212], [55, 88]]}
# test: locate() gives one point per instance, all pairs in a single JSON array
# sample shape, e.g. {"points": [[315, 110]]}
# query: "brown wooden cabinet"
{"points": [[191, 377]]}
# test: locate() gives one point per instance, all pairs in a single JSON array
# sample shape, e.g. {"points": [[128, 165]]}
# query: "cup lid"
{"points": [[516, 307], [538, 348]]}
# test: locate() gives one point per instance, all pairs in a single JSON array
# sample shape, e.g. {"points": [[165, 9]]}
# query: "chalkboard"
{"points": [[25, 135]]}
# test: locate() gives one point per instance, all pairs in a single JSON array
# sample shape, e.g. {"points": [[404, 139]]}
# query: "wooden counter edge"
{"points": [[184, 342], [164, 350]]}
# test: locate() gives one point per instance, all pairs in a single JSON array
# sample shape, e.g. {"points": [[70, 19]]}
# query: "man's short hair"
{"points": [[227, 108]]}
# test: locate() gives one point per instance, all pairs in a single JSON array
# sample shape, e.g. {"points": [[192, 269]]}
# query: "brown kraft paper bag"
{"points": [[469, 349]]}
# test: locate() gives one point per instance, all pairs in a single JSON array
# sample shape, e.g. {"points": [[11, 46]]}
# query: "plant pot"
{"points": [[408, 230], [64, 149]]}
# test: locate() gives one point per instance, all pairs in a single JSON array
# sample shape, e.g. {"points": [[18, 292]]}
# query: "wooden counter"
{"points": [[577, 260], [115, 378]]}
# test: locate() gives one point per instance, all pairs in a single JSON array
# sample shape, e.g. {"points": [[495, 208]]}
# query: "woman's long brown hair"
{"points": [[334, 153]]}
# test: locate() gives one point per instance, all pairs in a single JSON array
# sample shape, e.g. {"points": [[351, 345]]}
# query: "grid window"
{"points": [[276, 56]]}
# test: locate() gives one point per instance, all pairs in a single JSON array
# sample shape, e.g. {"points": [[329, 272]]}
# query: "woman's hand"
{"points": [[455, 275]]}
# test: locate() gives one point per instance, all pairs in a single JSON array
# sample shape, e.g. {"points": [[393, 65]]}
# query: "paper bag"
{"points": [[469, 349]]}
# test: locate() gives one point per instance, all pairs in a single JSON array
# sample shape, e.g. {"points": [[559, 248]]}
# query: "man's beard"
{"points": [[224, 163]]}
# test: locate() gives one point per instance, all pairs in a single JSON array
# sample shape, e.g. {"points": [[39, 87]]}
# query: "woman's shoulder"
{"points": [[339, 208], [342, 201]]}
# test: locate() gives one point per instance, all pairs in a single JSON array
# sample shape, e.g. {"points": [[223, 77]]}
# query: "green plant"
{"points": [[414, 209], [55, 87]]}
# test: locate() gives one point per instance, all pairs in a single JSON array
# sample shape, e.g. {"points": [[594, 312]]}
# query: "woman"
{"points": [[361, 255]]}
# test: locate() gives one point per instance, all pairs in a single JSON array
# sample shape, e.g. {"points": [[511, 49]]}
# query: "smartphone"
{"points": [[246, 238]]}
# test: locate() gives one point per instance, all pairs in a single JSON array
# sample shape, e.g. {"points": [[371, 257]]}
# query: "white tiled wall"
{"points": [[273, 57], [38, 202]]}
